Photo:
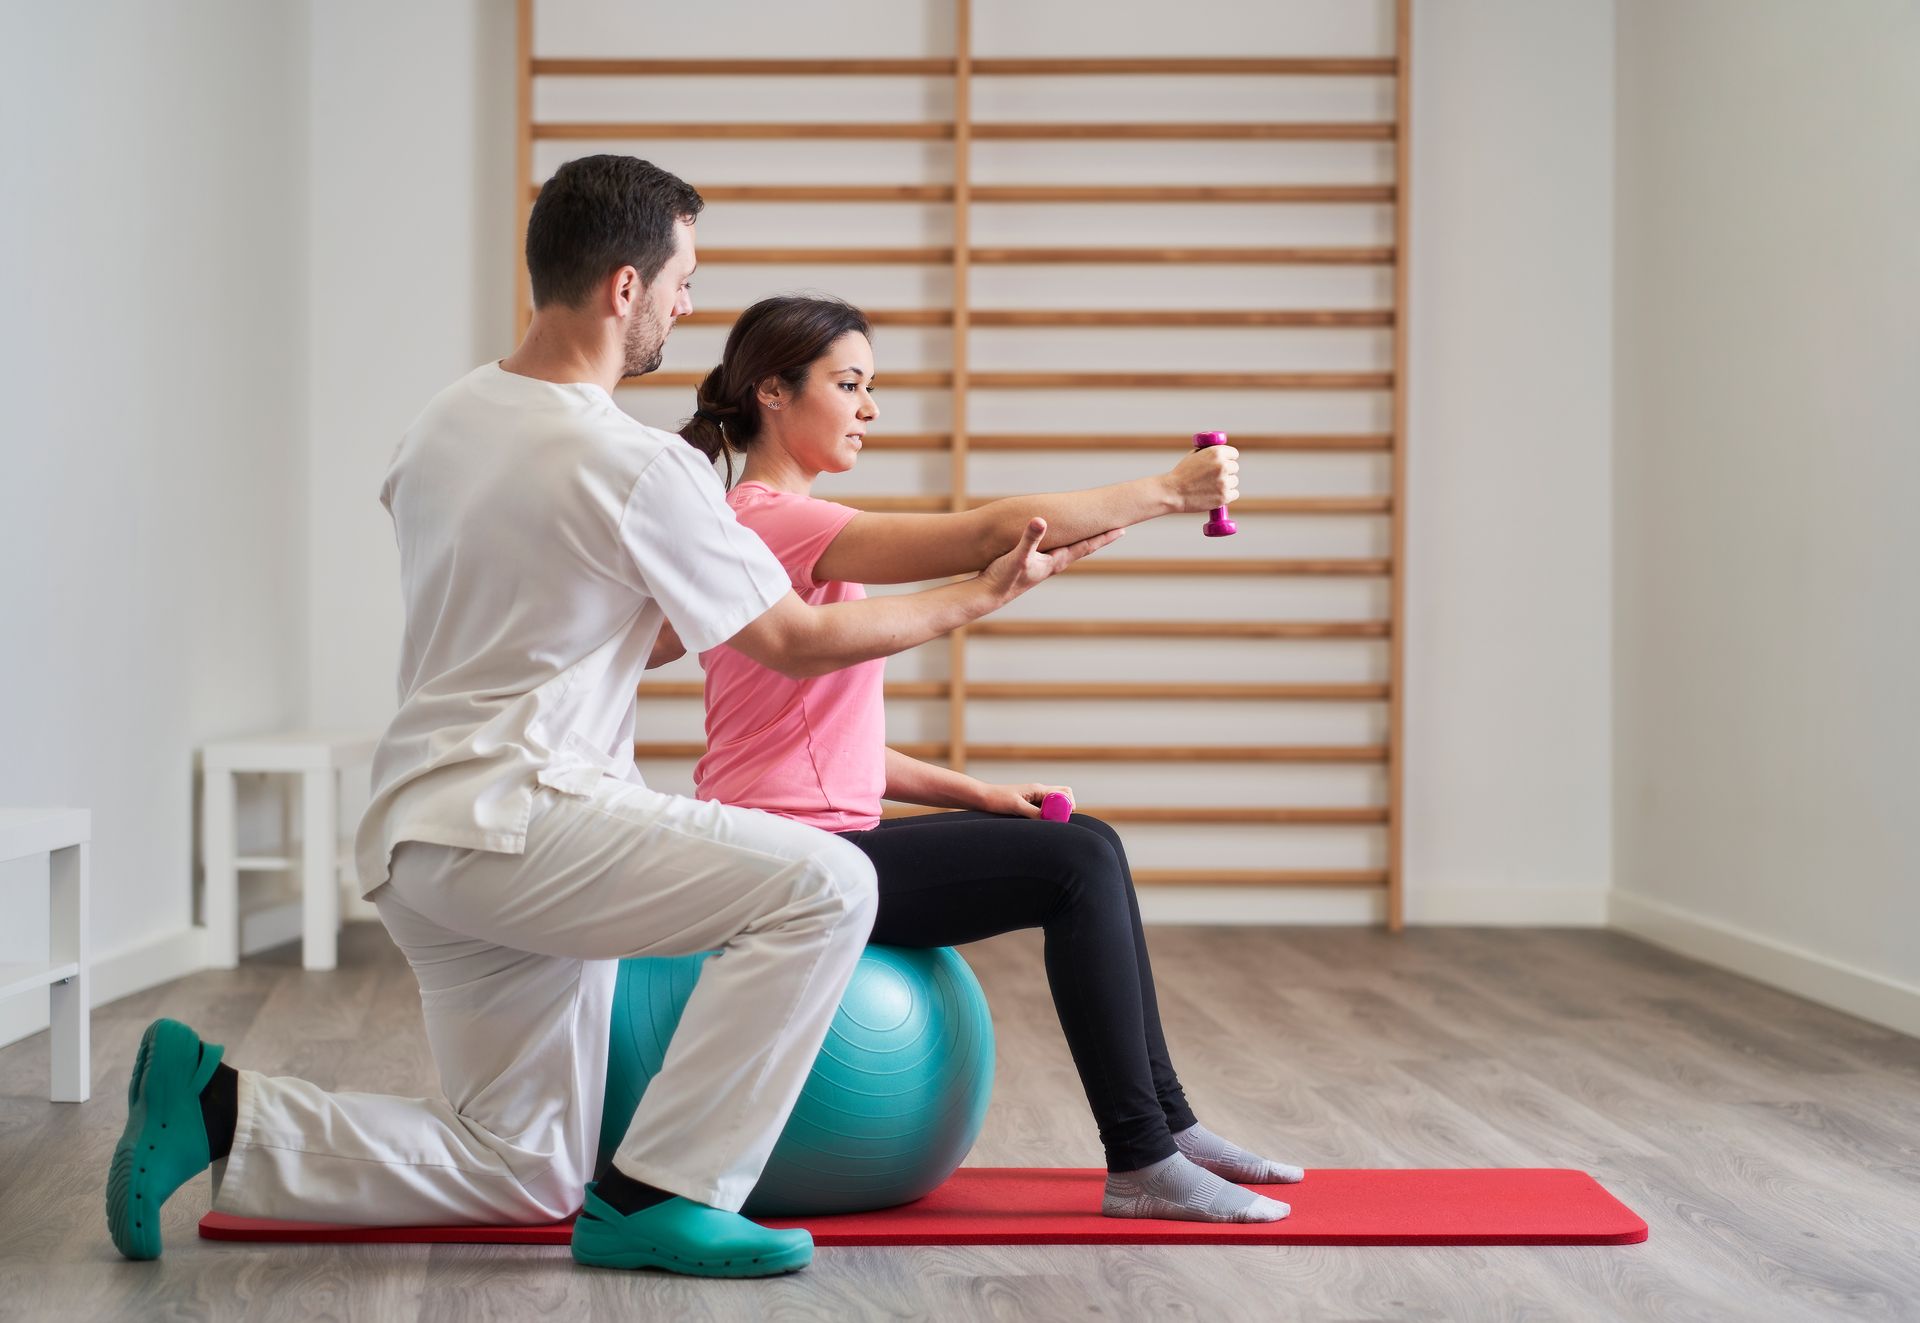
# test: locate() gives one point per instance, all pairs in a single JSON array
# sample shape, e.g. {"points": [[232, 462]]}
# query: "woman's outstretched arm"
{"points": [[892, 548]]}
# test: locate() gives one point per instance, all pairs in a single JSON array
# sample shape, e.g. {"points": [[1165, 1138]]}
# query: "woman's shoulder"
{"points": [[756, 504], [752, 493]]}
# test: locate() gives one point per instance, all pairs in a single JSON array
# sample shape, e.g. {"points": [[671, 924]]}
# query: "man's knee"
{"points": [[845, 876]]}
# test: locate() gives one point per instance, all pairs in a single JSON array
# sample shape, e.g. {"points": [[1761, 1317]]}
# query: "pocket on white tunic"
{"points": [[576, 768]]}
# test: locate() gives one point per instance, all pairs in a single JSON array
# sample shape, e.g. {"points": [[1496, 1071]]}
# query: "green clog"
{"points": [[682, 1236], [165, 1143]]}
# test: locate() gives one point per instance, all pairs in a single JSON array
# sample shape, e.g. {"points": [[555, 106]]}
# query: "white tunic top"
{"points": [[543, 533]]}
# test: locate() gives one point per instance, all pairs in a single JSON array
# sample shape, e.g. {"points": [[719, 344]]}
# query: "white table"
{"points": [[62, 835], [317, 758]]}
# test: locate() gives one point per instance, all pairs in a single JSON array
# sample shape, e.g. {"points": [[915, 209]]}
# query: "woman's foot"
{"points": [[1202, 1147], [164, 1144], [678, 1235], [1175, 1188]]}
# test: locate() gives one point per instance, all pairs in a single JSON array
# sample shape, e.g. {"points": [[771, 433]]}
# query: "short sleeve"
{"points": [[797, 529], [711, 576]]}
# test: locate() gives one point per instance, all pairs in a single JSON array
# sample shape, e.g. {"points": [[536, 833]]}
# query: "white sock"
{"points": [[1201, 1146], [1175, 1188]]}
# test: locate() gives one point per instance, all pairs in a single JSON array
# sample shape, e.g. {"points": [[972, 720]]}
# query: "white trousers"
{"points": [[514, 954]]}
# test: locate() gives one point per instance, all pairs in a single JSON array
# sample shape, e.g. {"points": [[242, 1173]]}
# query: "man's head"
{"points": [[613, 236]]}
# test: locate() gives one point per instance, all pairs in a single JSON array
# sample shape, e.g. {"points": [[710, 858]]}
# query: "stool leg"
{"points": [[320, 877], [220, 846], [70, 1002]]}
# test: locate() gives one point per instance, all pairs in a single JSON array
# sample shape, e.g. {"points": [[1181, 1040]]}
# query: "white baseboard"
{"points": [[264, 929], [1778, 964], [1258, 906], [127, 971], [22, 1015], [1489, 907], [1507, 907]]}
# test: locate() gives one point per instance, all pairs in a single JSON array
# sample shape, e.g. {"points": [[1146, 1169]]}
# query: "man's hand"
{"points": [[1205, 479], [1026, 565]]}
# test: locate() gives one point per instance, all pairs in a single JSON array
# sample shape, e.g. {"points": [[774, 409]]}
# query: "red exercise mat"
{"points": [[1060, 1206]]}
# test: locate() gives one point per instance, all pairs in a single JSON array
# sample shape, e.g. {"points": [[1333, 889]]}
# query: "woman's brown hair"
{"points": [[779, 337]]}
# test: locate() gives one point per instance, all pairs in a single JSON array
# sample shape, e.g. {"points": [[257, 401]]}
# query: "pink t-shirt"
{"points": [[813, 750]]}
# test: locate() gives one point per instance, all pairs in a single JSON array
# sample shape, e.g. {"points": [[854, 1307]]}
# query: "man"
{"points": [[511, 848]]}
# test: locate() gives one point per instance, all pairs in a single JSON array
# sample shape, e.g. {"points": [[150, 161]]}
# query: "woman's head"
{"points": [[797, 372]]}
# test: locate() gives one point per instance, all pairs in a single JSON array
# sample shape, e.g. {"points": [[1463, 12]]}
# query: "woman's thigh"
{"points": [[950, 878]]}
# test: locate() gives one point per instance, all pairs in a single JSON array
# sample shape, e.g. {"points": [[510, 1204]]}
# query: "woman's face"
{"points": [[822, 425]]}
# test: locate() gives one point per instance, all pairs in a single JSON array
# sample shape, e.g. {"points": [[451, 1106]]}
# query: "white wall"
{"points": [[1510, 694], [1768, 452], [409, 286], [1509, 699], [153, 364]]}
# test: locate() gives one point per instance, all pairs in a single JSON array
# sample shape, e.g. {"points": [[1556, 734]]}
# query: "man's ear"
{"points": [[624, 288]]}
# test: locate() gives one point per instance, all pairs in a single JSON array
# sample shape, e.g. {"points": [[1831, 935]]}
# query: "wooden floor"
{"points": [[1772, 1146]]}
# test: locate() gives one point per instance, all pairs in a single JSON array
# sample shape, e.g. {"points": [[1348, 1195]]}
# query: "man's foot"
{"points": [[682, 1236], [164, 1144]]}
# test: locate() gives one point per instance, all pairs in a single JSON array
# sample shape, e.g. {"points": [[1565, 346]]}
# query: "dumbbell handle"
{"points": [[1056, 807], [1218, 525]]}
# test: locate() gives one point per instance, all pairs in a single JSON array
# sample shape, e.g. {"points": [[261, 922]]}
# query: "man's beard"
{"points": [[646, 346]]}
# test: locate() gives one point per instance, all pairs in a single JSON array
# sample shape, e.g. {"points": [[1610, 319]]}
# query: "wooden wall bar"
{"points": [[962, 690]]}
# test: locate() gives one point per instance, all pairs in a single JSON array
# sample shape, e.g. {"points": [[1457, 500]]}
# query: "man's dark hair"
{"points": [[598, 214]]}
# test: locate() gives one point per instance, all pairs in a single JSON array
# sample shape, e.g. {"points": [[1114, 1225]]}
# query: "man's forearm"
{"points": [[667, 647], [1072, 516], [846, 633], [911, 781]]}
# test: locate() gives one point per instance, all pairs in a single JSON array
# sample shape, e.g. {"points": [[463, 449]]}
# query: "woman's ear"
{"points": [[772, 393]]}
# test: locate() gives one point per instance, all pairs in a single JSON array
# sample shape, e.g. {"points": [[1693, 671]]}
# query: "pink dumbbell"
{"points": [[1218, 525], [1056, 807]]}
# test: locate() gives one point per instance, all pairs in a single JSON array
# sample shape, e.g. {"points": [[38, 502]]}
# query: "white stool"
{"points": [[318, 758], [61, 835]]}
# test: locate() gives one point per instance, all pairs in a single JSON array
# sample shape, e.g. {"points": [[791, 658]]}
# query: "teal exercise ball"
{"points": [[895, 1099]]}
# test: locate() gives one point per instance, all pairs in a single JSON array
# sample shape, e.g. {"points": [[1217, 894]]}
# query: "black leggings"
{"points": [[949, 878]]}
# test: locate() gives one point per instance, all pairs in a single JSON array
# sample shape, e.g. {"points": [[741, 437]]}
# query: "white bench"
{"points": [[317, 758], [62, 835]]}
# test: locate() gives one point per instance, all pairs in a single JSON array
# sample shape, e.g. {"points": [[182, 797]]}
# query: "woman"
{"points": [[794, 395]]}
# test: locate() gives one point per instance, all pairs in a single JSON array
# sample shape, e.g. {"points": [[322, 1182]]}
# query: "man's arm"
{"points": [[667, 647], [801, 640]]}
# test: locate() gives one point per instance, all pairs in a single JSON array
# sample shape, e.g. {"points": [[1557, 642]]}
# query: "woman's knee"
{"points": [[1087, 867], [1102, 829]]}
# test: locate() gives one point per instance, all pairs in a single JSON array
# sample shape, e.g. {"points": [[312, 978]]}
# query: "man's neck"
{"points": [[566, 355]]}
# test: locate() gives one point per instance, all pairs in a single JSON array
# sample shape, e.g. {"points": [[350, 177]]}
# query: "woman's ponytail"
{"points": [[706, 431]]}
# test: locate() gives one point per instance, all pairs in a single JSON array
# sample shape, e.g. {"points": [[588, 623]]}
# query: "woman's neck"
{"points": [[772, 467]]}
